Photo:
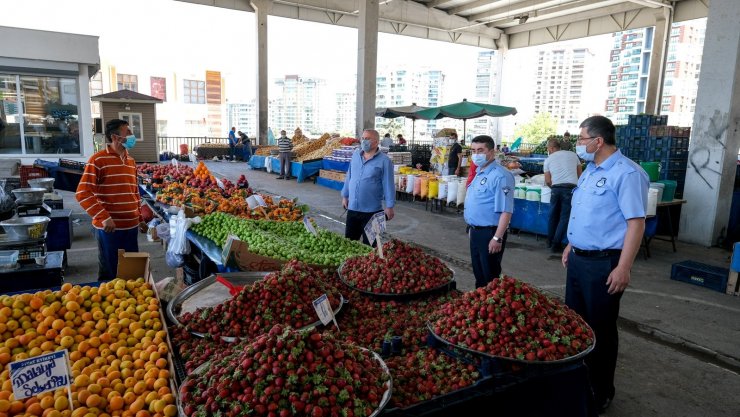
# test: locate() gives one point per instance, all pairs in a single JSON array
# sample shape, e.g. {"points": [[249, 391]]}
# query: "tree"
{"points": [[392, 126], [542, 126]]}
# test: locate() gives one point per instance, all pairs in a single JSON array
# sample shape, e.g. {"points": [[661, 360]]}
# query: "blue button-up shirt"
{"points": [[606, 197], [232, 138], [490, 193], [369, 182]]}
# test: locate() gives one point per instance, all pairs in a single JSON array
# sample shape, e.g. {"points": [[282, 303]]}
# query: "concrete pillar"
{"points": [[502, 44], [367, 60], [715, 135], [661, 35], [261, 8]]}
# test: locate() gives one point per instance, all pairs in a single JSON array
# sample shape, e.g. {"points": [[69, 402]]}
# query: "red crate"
{"points": [[30, 172]]}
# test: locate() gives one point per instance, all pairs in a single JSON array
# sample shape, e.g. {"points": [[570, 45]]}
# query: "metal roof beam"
{"points": [[480, 3], [436, 3], [518, 9], [561, 17]]}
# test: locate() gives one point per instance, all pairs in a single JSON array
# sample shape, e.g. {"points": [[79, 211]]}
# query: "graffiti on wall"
{"points": [[712, 132]]}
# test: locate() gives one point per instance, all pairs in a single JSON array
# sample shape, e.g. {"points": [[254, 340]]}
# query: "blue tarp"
{"points": [[530, 216], [257, 161], [335, 165], [300, 170], [326, 182], [64, 178]]}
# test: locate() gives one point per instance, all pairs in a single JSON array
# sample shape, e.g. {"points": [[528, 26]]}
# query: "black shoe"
{"points": [[604, 405], [281, 177]]}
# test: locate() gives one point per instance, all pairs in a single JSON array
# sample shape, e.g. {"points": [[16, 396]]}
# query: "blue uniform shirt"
{"points": [[369, 182], [606, 197], [490, 193], [232, 138]]}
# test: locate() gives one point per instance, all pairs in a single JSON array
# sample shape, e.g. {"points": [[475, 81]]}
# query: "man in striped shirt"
{"points": [[109, 193], [285, 147]]}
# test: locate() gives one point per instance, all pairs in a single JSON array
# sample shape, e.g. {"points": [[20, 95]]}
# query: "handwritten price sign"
{"points": [[39, 374]]}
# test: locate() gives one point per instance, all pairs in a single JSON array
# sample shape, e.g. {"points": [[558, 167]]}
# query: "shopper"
{"points": [[109, 193], [454, 160], [606, 227], [285, 147], [246, 146], [387, 141], [562, 169], [368, 182], [489, 203], [400, 139], [232, 144]]}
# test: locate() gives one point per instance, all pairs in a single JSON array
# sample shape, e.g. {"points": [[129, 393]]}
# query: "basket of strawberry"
{"points": [[403, 271], [511, 320], [289, 372]]}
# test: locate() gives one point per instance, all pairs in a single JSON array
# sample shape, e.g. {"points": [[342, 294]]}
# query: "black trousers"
{"points": [[355, 226], [486, 266], [586, 293], [559, 214]]}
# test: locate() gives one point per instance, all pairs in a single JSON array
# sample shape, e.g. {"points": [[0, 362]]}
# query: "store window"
{"points": [[38, 115], [134, 123], [128, 82], [194, 91]]}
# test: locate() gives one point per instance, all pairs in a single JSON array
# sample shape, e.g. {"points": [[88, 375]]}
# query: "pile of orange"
{"points": [[201, 171], [117, 349]]}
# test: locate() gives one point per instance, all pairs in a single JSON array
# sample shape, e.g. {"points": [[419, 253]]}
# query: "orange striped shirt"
{"points": [[108, 190]]}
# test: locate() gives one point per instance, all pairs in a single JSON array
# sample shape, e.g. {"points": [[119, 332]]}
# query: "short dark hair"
{"points": [[387, 135], [114, 127], [485, 139], [553, 143], [453, 134], [600, 126]]}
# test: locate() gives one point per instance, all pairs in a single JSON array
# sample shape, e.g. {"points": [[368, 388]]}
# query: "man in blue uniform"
{"points": [[489, 203], [605, 230], [369, 181]]}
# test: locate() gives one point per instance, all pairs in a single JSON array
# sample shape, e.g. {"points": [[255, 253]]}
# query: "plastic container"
{"points": [[8, 259], [534, 192], [184, 149], [410, 179], [433, 188], [652, 169], [669, 190], [545, 195], [660, 187], [452, 191], [417, 186], [442, 191], [520, 190], [424, 187], [652, 203], [461, 191]]}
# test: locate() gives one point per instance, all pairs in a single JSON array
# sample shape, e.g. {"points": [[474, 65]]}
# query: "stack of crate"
{"points": [[648, 138]]}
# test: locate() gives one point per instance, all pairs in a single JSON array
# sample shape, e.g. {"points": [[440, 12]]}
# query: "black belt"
{"points": [[470, 226], [597, 253], [565, 185]]}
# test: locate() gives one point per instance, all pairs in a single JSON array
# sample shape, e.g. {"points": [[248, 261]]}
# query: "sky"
{"points": [[168, 35]]}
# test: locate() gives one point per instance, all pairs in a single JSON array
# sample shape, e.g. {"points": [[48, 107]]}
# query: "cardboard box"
{"points": [[332, 175], [236, 254], [133, 265]]}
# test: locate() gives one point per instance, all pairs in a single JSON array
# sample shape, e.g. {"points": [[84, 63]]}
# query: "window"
{"points": [[134, 123], [159, 87], [195, 91], [40, 115], [128, 82]]}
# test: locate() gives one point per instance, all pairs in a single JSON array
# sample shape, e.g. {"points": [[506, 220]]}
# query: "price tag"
{"points": [[40, 374], [255, 200], [324, 311], [309, 226], [219, 183], [374, 228]]}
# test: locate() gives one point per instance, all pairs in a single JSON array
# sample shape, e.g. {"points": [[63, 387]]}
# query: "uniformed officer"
{"points": [[489, 203], [605, 230]]}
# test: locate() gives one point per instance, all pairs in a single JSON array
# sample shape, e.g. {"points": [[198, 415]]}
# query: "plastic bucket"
{"points": [[669, 191], [184, 149], [442, 191], [546, 194], [652, 169], [433, 188], [534, 192], [652, 201], [520, 191], [461, 191], [452, 191]]}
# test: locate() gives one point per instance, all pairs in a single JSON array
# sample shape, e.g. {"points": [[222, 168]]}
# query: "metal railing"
{"points": [[172, 143]]}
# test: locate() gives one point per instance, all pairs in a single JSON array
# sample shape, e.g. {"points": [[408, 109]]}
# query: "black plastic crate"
{"points": [[703, 275], [638, 142], [673, 174], [70, 164]]}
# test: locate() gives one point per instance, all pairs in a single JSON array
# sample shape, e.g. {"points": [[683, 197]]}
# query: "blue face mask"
{"points": [[365, 144], [130, 142], [479, 159]]}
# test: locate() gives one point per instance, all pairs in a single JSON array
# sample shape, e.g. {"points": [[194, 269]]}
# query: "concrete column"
{"points": [[715, 135], [502, 44], [661, 35], [367, 60], [262, 9]]}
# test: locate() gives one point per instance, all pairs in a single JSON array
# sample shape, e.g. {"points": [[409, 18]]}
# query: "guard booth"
{"points": [[140, 111]]}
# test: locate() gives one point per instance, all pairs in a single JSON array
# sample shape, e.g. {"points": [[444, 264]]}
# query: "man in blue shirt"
{"points": [[232, 144], [369, 181], [604, 233], [489, 203]]}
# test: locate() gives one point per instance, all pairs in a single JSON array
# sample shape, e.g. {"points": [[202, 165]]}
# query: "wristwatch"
{"points": [[497, 239]]}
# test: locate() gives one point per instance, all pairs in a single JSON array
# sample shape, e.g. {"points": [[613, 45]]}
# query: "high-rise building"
{"points": [[243, 116], [401, 87], [683, 65], [300, 104], [346, 112], [628, 77], [564, 84]]}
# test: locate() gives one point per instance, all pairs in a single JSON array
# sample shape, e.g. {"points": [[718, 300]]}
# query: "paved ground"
{"points": [[680, 350]]}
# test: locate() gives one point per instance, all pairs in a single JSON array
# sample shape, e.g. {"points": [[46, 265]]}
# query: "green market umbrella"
{"points": [[465, 110], [408, 112]]}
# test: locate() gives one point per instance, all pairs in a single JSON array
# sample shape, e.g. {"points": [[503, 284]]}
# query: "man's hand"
{"points": [[618, 280], [345, 202], [564, 257], [457, 171], [109, 226], [494, 247], [389, 213], [143, 227]]}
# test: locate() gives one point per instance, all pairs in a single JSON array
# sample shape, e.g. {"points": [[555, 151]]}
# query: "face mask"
{"points": [[130, 142], [479, 159], [583, 153], [365, 144]]}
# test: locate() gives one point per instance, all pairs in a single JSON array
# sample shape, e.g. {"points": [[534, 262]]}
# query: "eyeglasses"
{"points": [[581, 139]]}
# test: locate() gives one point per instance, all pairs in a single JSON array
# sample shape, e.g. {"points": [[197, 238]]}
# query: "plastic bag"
{"points": [[452, 191], [178, 243]]}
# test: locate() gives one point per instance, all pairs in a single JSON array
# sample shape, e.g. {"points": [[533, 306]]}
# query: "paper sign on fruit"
{"points": [[324, 311], [309, 226], [40, 374], [377, 222]]}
